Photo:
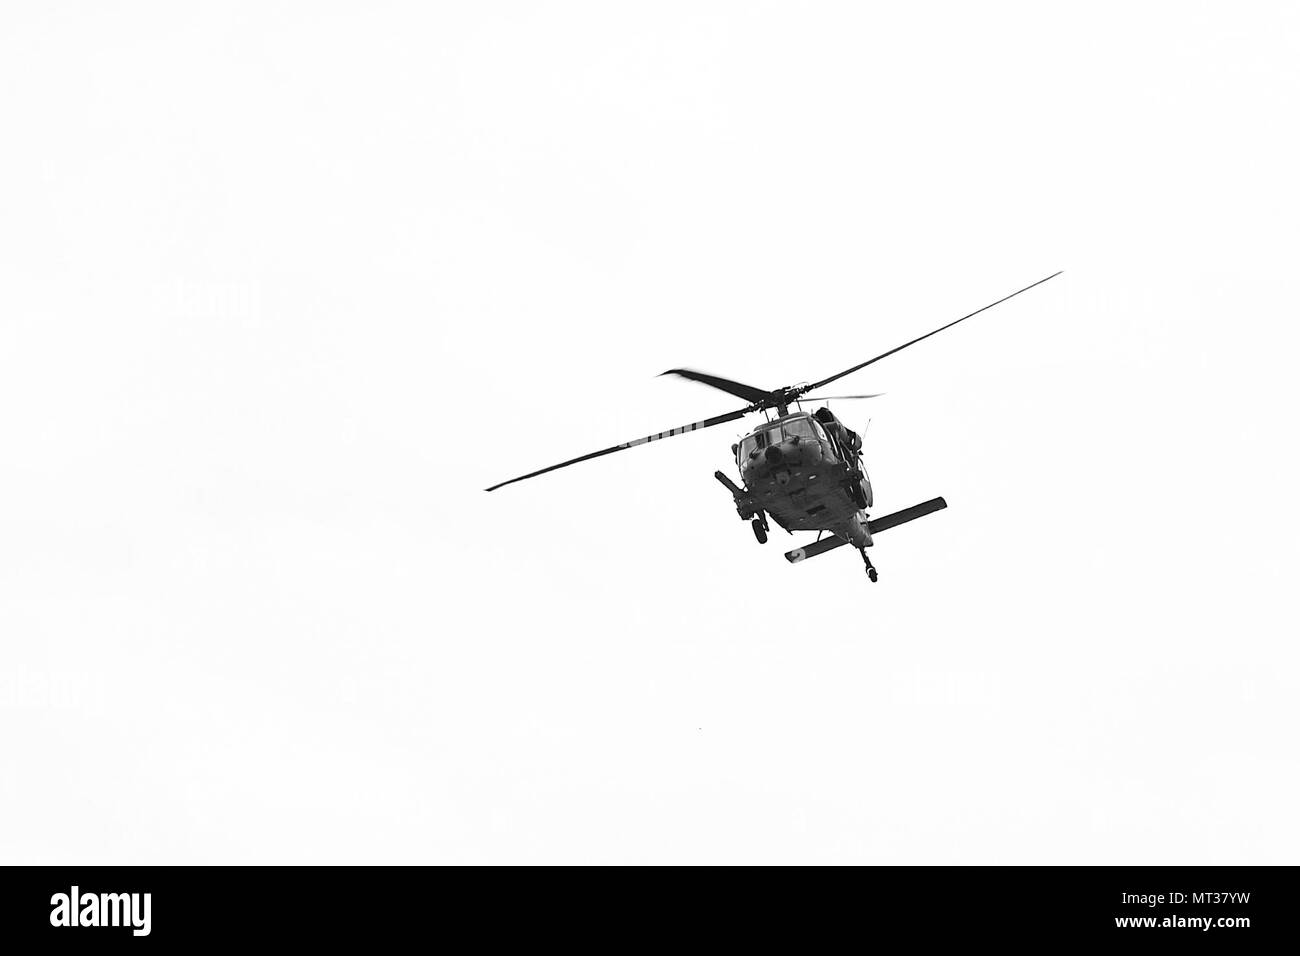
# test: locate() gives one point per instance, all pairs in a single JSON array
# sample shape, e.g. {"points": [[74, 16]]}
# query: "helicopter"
{"points": [[802, 470]]}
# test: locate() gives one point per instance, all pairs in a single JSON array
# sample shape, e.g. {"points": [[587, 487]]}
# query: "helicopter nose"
{"points": [[773, 454]]}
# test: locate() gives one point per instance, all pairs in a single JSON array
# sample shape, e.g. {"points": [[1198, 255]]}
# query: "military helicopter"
{"points": [[802, 470]]}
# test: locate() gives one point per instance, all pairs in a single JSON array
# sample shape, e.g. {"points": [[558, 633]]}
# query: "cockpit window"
{"points": [[800, 428], [757, 442]]}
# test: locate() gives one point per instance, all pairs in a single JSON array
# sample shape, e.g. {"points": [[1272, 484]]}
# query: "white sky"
{"points": [[284, 286]]}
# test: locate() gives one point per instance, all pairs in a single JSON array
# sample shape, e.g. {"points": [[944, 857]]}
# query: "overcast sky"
{"points": [[284, 286]]}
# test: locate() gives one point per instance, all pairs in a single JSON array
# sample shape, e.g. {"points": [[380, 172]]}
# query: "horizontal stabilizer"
{"points": [[878, 525], [906, 515], [814, 549]]}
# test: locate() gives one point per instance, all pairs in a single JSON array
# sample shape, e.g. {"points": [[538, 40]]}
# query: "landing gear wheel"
{"points": [[871, 573], [759, 531]]}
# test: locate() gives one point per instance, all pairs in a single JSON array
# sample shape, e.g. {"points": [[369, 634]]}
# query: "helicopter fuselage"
{"points": [[805, 472]]}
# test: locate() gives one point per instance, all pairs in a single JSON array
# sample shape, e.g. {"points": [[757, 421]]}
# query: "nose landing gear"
{"points": [[871, 568]]}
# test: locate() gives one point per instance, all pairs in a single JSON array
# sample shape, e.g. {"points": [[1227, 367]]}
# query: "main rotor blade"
{"points": [[748, 392], [835, 398], [694, 426], [849, 371]]}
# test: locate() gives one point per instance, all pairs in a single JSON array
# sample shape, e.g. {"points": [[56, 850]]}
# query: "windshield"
{"points": [[802, 428]]}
